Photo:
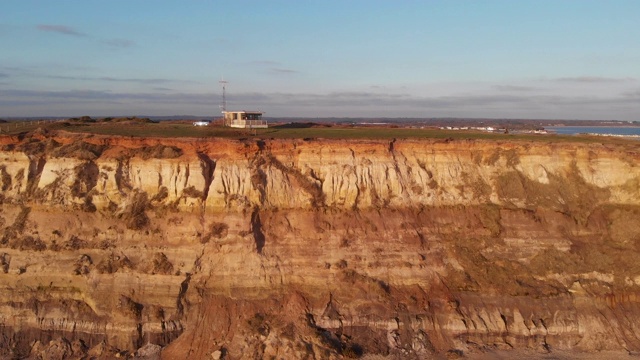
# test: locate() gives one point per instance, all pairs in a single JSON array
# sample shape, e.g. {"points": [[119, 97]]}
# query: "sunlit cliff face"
{"points": [[316, 249]]}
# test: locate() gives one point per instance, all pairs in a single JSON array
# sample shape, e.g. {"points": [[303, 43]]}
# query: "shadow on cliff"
{"points": [[256, 229]]}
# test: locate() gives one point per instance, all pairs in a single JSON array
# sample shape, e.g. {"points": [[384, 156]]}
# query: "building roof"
{"points": [[244, 111]]}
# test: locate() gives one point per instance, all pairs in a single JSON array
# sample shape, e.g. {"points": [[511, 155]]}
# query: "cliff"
{"points": [[316, 249]]}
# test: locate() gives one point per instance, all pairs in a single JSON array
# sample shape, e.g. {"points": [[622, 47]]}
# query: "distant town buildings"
{"points": [[492, 129]]}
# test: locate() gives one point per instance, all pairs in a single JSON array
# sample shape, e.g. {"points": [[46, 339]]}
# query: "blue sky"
{"points": [[557, 59]]}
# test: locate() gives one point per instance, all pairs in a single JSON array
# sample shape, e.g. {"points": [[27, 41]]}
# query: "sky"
{"points": [[542, 59]]}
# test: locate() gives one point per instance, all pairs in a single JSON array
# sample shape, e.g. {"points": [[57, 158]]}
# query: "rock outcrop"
{"points": [[213, 248]]}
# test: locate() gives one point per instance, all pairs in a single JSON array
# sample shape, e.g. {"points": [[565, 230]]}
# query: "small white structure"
{"points": [[244, 119], [201, 123]]}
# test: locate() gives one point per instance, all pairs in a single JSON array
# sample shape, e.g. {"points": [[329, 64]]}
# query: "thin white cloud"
{"points": [[75, 96], [595, 79], [164, 101], [283, 71], [60, 29], [273, 67], [346, 99], [632, 94], [70, 31], [511, 88], [119, 43], [138, 80], [398, 105], [114, 79], [265, 63]]}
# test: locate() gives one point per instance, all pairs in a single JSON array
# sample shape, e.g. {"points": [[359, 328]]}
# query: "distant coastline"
{"points": [[621, 131]]}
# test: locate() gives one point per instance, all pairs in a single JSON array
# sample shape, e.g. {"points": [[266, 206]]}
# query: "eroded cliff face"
{"points": [[316, 249]]}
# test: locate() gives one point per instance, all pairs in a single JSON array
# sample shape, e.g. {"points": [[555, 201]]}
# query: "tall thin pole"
{"points": [[224, 98], [224, 94]]}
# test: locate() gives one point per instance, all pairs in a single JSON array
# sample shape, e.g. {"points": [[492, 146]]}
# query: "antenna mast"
{"points": [[224, 94]]}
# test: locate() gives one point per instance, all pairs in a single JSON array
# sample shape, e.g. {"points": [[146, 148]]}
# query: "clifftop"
{"points": [[239, 174]]}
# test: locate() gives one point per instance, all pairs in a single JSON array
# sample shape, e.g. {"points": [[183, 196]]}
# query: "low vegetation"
{"points": [[144, 127]]}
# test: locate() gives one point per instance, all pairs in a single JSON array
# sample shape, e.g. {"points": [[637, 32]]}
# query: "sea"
{"points": [[630, 131]]}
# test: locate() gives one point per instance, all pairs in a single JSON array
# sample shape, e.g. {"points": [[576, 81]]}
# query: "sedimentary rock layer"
{"points": [[317, 249]]}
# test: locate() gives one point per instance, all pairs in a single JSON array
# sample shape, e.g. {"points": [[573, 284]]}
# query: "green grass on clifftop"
{"points": [[186, 129]]}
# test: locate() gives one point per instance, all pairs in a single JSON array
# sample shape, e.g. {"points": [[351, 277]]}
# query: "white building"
{"points": [[244, 119]]}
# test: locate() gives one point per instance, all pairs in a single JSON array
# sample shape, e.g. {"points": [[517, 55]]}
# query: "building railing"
{"points": [[248, 123], [14, 125]]}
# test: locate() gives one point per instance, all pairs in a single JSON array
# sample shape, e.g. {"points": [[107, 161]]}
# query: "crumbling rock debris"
{"points": [[59, 349], [5, 260], [160, 264], [113, 263], [83, 265], [149, 352]]}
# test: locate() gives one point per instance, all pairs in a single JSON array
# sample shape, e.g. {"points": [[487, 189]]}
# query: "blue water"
{"points": [[603, 130]]}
